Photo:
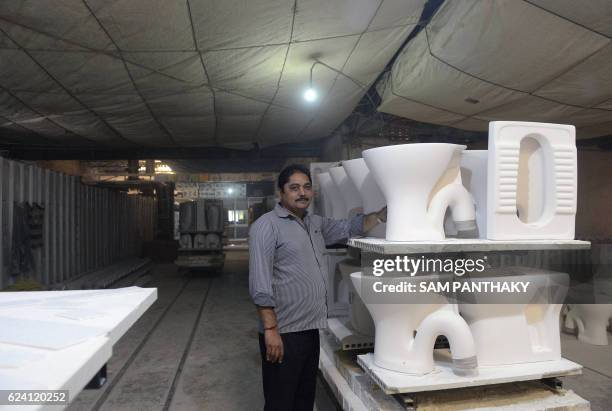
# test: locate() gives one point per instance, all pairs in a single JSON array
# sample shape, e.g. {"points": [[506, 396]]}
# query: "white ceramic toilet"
{"points": [[590, 322], [474, 179], [333, 204], [532, 181], [201, 221], [419, 182], [199, 241], [186, 241], [348, 191], [338, 290], [516, 328], [372, 198], [405, 333], [360, 318]]}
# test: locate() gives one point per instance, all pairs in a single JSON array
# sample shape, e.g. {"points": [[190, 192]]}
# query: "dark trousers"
{"points": [[291, 384]]}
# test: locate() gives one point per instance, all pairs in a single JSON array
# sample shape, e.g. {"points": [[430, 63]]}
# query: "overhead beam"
{"points": [[24, 152]]}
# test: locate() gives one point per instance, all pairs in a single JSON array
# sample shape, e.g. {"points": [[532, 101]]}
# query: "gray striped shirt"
{"points": [[287, 269]]}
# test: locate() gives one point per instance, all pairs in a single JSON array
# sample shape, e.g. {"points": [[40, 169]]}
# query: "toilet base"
{"points": [[444, 377]]}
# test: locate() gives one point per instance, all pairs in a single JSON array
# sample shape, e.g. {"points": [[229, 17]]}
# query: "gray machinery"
{"points": [[201, 234]]}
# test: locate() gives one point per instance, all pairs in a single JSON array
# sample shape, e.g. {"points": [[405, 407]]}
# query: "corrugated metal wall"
{"points": [[84, 227]]}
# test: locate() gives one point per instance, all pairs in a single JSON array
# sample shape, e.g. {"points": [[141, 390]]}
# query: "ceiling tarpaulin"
{"points": [[189, 73], [483, 60]]}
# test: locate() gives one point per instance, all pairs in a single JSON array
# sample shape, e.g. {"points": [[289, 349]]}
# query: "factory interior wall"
{"points": [[83, 227], [70, 167], [594, 216]]}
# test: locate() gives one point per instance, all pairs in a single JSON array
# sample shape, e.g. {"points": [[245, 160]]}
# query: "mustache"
{"points": [[302, 198]]}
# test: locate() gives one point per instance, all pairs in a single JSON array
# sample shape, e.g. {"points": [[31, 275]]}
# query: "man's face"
{"points": [[297, 192]]}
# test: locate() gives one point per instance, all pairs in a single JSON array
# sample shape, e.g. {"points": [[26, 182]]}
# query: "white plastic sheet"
{"points": [[483, 60], [161, 72]]}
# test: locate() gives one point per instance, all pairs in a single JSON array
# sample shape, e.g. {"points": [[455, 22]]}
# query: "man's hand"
{"points": [[382, 214], [373, 219], [274, 345]]}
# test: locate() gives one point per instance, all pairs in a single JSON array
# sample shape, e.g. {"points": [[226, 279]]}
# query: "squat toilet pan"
{"points": [[532, 181]]}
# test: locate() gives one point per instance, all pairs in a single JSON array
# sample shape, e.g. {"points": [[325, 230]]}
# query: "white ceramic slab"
{"points": [[44, 334], [14, 357], [74, 314], [118, 308], [452, 245], [65, 321], [444, 378], [69, 369]]}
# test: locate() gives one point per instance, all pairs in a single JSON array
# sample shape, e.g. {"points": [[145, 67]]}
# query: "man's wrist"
{"points": [[275, 326]]}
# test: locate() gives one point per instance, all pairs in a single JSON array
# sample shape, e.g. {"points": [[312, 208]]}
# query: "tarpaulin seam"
{"points": [[47, 117], [475, 115], [87, 49], [255, 137], [303, 130], [212, 90], [50, 140], [530, 93], [210, 50], [567, 19], [129, 73]]}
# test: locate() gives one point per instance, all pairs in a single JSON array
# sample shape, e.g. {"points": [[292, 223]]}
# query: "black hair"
{"points": [[290, 170]]}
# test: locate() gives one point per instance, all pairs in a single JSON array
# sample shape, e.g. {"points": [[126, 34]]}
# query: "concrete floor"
{"points": [[595, 383], [196, 349]]}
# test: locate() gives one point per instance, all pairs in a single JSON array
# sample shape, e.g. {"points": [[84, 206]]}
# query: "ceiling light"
{"points": [[310, 95]]}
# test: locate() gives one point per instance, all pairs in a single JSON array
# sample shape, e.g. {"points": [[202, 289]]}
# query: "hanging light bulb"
{"points": [[310, 95]]}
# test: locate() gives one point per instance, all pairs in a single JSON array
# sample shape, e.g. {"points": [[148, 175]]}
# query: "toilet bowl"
{"points": [[185, 241], [322, 198], [187, 216], [590, 322], [405, 333], [214, 216], [338, 290], [360, 319], [511, 328], [419, 182], [199, 241], [213, 240], [201, 223], [532, 184], [333, 204], [474, 179], [348, 191], [372, 198], [342, 287]]}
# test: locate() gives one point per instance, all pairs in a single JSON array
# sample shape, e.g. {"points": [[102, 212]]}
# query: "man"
{"points": [[287, 279]]}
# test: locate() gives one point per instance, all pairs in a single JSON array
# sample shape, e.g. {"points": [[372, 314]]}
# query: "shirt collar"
{"points": [[282, 212]]}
